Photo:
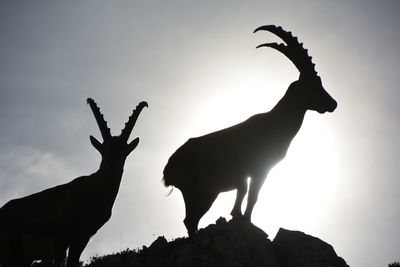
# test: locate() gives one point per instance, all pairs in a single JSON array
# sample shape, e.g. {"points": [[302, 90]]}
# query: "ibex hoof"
{"points": [[246, 218], [237, 217], [192, 235]]}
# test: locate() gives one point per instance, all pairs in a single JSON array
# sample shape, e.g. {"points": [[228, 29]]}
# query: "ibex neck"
{"points": [[289, 103], [111, 178], [290, 113], [111, 168]]}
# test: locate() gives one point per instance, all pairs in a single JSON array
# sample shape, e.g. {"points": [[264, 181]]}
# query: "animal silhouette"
{"points": [[44, 225], [222, 161]]}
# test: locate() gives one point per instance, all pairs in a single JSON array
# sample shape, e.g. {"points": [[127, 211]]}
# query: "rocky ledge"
{"points": [[229, 244]]}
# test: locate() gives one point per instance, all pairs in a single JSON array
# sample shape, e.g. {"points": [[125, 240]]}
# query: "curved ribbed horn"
{"points": [[132, 120], [292, 49], [104, 130]]}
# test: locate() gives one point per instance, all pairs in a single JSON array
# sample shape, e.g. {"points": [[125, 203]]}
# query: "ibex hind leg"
{"points": [[197, 203], [237, 208]]}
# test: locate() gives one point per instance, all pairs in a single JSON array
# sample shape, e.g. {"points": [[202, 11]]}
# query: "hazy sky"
{"points": [[196, 64]]}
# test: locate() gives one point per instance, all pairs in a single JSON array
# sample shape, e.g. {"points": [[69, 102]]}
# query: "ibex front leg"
{"points": [[75, 250], [256, 183], [240, 193], [60, 254]]}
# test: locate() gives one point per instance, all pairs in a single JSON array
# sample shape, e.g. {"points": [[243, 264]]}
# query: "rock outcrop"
{"points": [[293, 248], [229, 244]]}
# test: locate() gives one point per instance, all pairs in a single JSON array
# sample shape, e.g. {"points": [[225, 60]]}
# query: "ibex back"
{"points": [[43, 226], [222, 161]]}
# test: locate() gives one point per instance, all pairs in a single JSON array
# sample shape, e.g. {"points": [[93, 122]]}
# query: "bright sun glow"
{"points": [[299, 189]]}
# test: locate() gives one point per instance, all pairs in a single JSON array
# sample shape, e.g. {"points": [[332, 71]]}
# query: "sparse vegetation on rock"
{"points": [[229, 244]]}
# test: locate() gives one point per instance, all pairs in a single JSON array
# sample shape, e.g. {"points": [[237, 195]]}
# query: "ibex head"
{"points": [[308, 90], [115, 149]]}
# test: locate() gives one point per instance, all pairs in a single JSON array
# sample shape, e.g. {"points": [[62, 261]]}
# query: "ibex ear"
{"points": [[132, 145], [96, 143]]}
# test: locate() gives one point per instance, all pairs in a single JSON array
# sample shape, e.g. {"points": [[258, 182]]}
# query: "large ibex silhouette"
{"points": [[44, 225], [222, 161]]}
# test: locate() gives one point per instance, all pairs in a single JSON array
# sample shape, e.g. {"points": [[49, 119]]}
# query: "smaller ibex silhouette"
{"points": [[222, 161], [44, 225]]}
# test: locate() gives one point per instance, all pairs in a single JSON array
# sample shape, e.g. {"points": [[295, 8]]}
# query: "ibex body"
{"points": [[42, 226], [222, 161]]}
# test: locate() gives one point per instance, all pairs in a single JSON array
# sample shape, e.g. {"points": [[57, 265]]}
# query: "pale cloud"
{"points": [[26, 170]]}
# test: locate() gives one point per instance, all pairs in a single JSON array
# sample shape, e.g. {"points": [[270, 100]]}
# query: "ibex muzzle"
{"points": [[222, 161]]}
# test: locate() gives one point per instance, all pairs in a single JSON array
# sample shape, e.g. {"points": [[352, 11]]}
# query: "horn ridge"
{"points": [[101, 122], [292, 49], [132, 120]]}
